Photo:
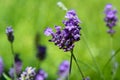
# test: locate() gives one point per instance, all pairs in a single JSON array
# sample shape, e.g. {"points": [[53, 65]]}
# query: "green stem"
{"points": [[12, 50], [109, 60], [78, 65], [70, 63]]}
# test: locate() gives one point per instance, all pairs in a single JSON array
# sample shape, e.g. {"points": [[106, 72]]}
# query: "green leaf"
{"points": [[6, 77]]}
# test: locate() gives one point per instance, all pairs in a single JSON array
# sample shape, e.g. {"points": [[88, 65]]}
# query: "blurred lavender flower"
{"points": [[28, 74], [18, 66], [87, 78], [9, 32], [11, 72], [41, 75], [63, 71], [1, 66], [65, 38], [110, 18], [41, 52]]}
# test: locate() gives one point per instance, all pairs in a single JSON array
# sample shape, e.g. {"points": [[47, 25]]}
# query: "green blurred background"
{"points": [[27, 17]]}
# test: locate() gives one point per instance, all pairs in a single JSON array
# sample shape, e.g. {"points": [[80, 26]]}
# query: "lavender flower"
{"points": [[110, 18], [28, 74], [11, 72], [65, 38], [41, 52], [1, 66], [9, 32], [18, 66], [63, 71], [87, 78], [41, 75]]}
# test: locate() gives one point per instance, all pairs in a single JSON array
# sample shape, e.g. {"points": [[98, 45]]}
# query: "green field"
{"points": [[27, 17]]}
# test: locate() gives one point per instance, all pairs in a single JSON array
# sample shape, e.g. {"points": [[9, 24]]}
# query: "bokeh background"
{"points": [[28, 17]]}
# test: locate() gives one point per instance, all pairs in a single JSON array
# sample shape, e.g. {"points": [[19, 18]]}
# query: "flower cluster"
{"points": [[28, 74], [1, 66], [9, 32], [110, 18], [18, 66], [63, 70], [65, 38], [41, 75]]}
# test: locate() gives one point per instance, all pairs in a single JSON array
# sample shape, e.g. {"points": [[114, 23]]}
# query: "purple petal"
{"points": [[48, 31]]}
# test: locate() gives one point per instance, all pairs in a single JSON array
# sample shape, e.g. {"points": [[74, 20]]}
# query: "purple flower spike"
{"points": [[65, 38], [9, 32], [110, 18], [18, 66], [63, 70], [1, 66], [41, 75], [28, 74], [11, 72]]}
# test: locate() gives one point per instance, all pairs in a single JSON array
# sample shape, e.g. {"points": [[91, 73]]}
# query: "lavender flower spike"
{"points": [[18, 65], [63, 71], [28, 74], [9, 32], [66, 37], [1, 66], [41, 75], [110, 18]]}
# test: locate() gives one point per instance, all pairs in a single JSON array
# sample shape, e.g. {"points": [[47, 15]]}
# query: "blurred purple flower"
{"points": [[18, 66], [41, 52], [65, 38], [41, 75], [110, 18], [9, 32], [87, 78], [11, 72], [1, 66], [63, 71], [28, 74]]}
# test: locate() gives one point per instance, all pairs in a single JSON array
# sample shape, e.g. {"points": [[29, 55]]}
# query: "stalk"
{"points": [[70, 63], [12, 50]]}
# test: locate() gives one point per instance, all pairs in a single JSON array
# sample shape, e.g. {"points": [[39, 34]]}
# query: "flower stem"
{"points": [[70, 63], [116, 52], [113, 53], [12, 50], [77, 65]]}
